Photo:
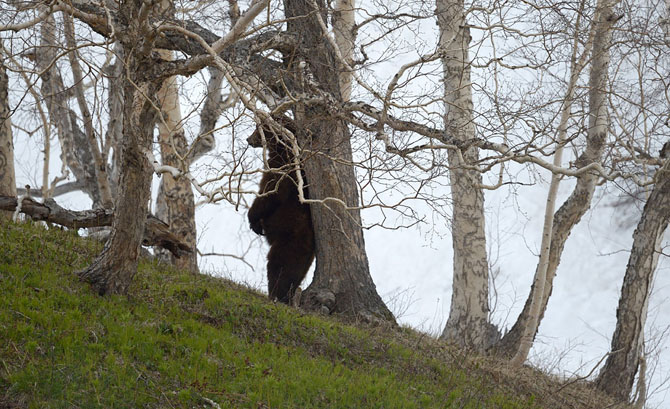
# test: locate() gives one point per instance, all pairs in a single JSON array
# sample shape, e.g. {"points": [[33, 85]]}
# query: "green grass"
{"points": [[183, 341]]}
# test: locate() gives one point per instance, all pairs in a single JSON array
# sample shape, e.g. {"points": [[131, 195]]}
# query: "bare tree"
{"points": [[113, 270], [342, 281], [175, 204], [618, 374], [7, 178], [468, 324], [557, 226]]}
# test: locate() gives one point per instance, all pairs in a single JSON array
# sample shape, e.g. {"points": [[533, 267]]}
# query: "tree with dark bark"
{"points": [[342, 281], [622, 364], [113, 270]]}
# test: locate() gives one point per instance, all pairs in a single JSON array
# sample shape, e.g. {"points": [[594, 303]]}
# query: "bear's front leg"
{"points": [[255, 220], [261, 208]]}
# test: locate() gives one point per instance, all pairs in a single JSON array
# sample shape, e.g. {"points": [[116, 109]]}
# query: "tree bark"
{"points": [[574, 208], [114, 134], [344, 31], [7, 177], [100, 161], [468, 323], [175, 204], [113, 270], [617, 376], [75, 149], [342, 282]]}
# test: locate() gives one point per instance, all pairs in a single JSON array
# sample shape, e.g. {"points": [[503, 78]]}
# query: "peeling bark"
{"points": [[342, 282], [175, 204], [112, 271], [617, 376], [468, 323], [7, 177], [343, 28], [114, 132]]}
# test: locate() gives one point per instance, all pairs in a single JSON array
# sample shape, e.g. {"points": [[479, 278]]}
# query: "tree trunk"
{"points": [[342, 282], [468, 323], [7, 177], [344, 31], [114, 75], [75, 149], [618, 374], [211, 111], [574, 208], [112, 271], [99, 161], [175, 204]]}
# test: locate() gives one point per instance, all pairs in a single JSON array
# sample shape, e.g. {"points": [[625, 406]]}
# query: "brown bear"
{"points": [[278, 215]]}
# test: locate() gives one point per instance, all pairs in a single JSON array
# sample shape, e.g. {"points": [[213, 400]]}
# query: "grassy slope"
{"points": [[194, 341]]}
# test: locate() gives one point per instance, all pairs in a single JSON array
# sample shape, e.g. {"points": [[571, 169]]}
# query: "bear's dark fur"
{"points": [[281, 218]]}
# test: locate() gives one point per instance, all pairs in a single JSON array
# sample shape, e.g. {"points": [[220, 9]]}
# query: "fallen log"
{"points": [[156, 232]]}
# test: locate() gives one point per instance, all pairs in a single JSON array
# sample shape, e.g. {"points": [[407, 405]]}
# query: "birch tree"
{"points": [[74, 144], [468, 324], [557, 226], [175, 203], [7, 178]]}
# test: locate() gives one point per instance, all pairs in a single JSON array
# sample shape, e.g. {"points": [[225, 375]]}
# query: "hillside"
{"points": [[184, 341]]}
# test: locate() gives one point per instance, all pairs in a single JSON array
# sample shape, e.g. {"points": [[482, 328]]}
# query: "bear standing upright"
{"points": [[278, 215]]}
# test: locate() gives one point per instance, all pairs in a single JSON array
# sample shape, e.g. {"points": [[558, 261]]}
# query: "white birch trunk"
{"points": [[175, 204], [468, 323], [7, 177], [345, 38], [543, 281]]}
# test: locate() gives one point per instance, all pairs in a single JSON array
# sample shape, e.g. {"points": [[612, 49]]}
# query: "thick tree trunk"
{"points": [[574, 208], [468, 323], [7, 177], [113, 270], [618, 374], [175, 204], [342, 282]]}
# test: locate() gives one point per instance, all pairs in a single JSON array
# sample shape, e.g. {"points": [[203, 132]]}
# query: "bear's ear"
{"points": [[255, 140]]}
